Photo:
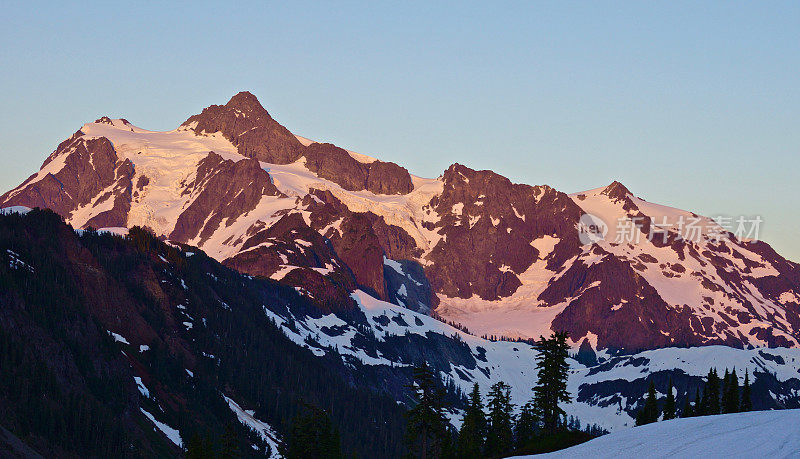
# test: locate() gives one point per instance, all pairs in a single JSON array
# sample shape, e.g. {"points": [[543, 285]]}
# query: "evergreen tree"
{"points": [[312, 435], [687, 411], [649, 412], [551, 388], [526, 425], [725, 384], [426, 431], [747, 403], [473, 427], [500, 436], [711, 395], [669, 404], [699, 409], [730, 397]]}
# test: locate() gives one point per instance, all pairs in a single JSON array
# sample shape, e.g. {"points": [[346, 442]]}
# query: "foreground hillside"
{"points": [[754, 434], [498, 257], [162, 343], [113, 347]]}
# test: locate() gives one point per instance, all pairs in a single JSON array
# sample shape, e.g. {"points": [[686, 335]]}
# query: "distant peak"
{"points": [[616, 190], [112, 122], [246, 102]]}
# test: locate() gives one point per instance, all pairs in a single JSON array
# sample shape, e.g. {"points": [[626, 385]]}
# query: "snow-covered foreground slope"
{"points": [[753, 434]]}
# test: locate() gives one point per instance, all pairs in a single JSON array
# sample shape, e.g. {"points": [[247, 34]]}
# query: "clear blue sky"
{"points": [[697, 107]]}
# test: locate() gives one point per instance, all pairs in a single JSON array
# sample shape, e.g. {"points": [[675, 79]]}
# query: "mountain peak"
{"points": [[112, 122], [616, 190], [250, 128], [246, 102]]}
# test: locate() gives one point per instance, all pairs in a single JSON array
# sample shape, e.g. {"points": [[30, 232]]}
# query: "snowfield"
{"points": [[515, 363], [753, 434]]}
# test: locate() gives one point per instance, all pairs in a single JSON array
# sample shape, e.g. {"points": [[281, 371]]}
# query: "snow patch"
{"points": [[264, 430], [173, 434]]}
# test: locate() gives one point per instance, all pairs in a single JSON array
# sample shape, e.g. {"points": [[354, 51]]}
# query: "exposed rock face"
{"points": [[360, 248], [394, 240], [223, 190], [335, 164], [328, 212], [407, 285], [613, 302], [363, 240], [306, 259], [82, 173], [487, 224], [117, 215], [388, 178], [248, 126]]}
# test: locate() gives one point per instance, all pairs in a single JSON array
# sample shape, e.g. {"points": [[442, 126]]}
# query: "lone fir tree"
{"points": [[649, 412], [669, 405], [551, 388], [698, 403], [711, 394], [500, 435], [526, 425], [472, 435], [730, 394], [747, 402], [426, 429], [687, 411]]}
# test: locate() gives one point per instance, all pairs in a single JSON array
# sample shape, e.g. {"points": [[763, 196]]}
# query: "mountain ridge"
{"points": [[500, 258]]}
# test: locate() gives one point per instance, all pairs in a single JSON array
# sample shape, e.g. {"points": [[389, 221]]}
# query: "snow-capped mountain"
{"points": [[498, 257]]}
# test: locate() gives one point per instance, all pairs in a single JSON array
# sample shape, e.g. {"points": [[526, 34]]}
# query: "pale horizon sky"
{"points": [[691, 106]]}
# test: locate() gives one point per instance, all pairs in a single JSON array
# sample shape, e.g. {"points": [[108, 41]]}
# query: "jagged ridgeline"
{"points": [[500, 258]]}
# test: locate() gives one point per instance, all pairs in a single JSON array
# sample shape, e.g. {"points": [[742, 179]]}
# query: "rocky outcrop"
{"points": [[295, 254], [611, 300], [362, 240], [388, 178], [81, 175], [337, 165], [487, 225], [360, 249], [249, 127], [117, 215], [223, 190], [407, 285]]}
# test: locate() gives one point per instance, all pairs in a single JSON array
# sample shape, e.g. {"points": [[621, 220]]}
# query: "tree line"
{"points": [[719, 395], [493, 429]]}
